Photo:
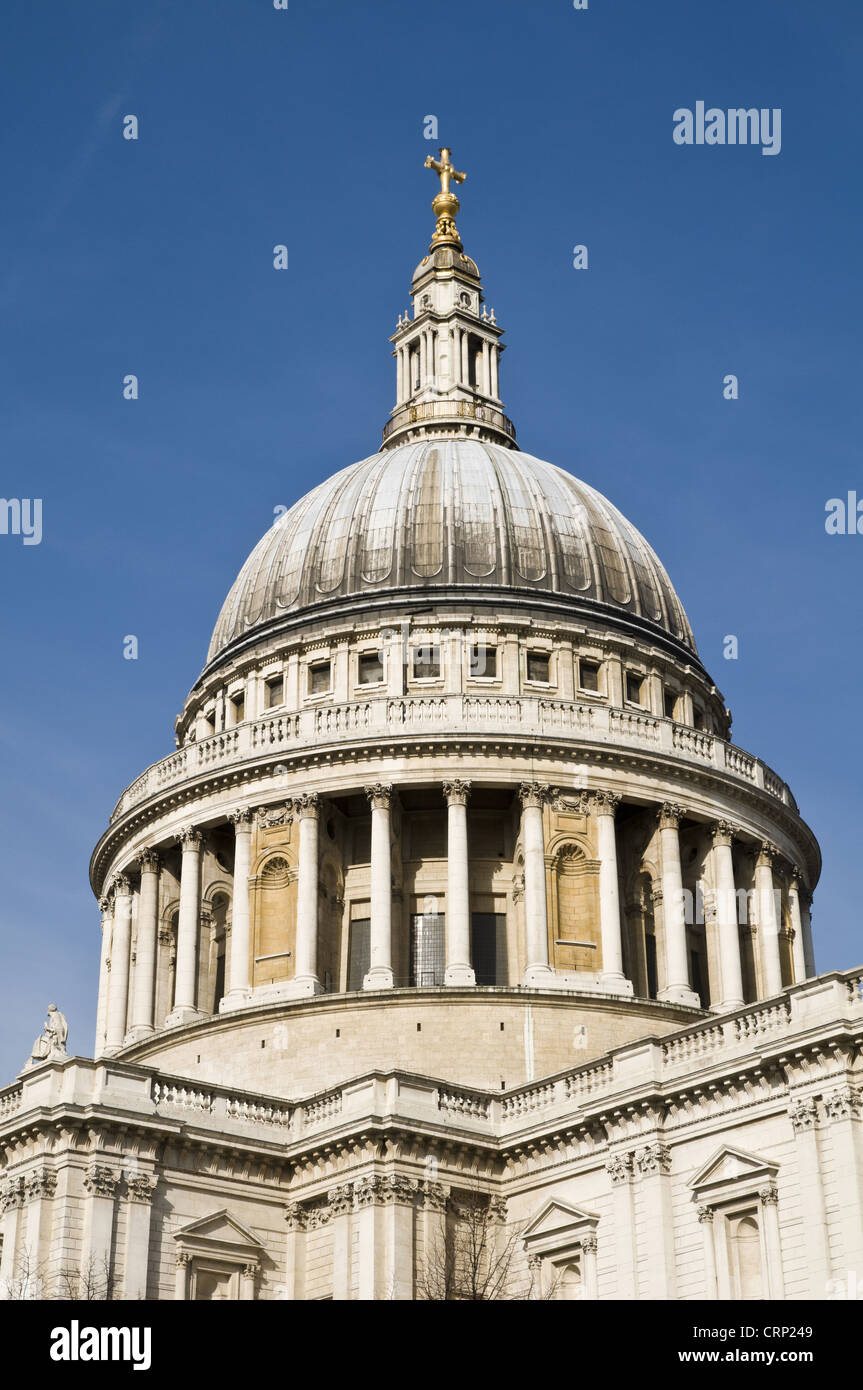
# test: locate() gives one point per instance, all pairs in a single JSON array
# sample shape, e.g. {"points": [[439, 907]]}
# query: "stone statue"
{"points": [[50, 1046]]}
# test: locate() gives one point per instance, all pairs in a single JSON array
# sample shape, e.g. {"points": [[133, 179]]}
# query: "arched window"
{"points": [[569, 1287]]}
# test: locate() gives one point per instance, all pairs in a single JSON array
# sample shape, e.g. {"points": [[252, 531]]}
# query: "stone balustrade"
{"points": [[487, 716], [703, 1051]]}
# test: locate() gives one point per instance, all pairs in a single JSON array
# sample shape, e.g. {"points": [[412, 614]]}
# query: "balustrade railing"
{"points": [[449, 714]]}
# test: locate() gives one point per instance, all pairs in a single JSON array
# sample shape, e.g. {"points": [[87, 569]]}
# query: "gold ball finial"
{"points": [[445, 205]]}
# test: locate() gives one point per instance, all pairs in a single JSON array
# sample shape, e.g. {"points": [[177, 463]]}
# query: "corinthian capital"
{"points": [[241, 816], [379, 795], [190, 837], [148, 861], [121, 886], [670, 815], [767, 852], [306, 805], [604, 803], [722, 832], [456, 792], [533, 795]]}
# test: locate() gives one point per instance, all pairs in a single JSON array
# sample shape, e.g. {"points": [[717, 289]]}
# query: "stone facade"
{"points": [[454, 923]]}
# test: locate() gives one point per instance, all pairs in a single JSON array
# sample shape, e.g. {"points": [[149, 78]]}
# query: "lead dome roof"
{"points": [[449, 514]]}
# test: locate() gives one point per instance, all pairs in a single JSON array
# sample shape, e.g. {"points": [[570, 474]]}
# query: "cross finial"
{"points": [[445, 205]]}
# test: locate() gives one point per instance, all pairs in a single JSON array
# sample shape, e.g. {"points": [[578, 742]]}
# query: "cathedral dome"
{"points": [[453, 515]]}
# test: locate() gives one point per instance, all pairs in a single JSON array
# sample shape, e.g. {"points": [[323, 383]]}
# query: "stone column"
{"points": [[181, 1277], [768, 924], [805, 898], [106, 907], [589, 1273], [247, 1281], [730, 966], [677, 987], [604, 806], [238, 991], [399, 375], [143, 999], [705, 1217], [653, 1165], [769, 1199], [139, 1194], [465, 368], [797, 945], [423, 358], [118, 997], [305, 979], [619, 1167], [96, 1269], [459, 970], [380, 974], [495, 357], [486, 369], [538, 972], [188, 927], [803, 1114]]}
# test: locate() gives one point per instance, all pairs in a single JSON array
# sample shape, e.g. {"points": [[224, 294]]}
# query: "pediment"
{"points": [[732, 1168], [558, 1224], [219, 1233]]}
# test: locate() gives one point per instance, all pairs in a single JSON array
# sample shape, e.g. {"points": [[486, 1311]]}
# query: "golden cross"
{"points": [[444, 168]]}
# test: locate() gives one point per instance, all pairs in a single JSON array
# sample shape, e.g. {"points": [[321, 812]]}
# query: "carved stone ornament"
{"points": [[148, 861], [121, 886], [183, 1258], [670, 815], [769, 1196], [141, 1188], [306, 805], [456, 792], [341, 1199], [295, 1216], [604, 803], [12, 1193], [589, 1244], [100, 1180], [619, 1168], [575, 803], [268, 816], [40, 1183], [379, 795], [843, 1104], [241, 816], [723, 833], [434, 1195], [705, 1214], [534, 795], [803, 1113], [251, 1270], [190, 837], [766, 854], [654, 1159]]}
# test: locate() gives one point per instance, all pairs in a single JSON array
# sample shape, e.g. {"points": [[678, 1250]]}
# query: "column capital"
{"points": [[723, 833], [306, 805], [241, 817], [769, 1196], [190, 837], [589, 1244], [767, 852], [147, 861], [534, 795], [182, 1258], [704, 1214], [456, 792], [379, 795], [141, 1188], [121, 886], [106, 904], [670, 815], [604, 803]]}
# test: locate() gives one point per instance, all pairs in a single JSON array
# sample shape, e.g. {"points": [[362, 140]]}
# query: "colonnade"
{"points": [[123, 1017], [420, 361]]}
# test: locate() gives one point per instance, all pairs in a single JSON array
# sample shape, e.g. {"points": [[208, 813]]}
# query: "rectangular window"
{"points": [[319, 678], [274, 691], [538, 666], [426, 663], [483, 660], [371, 668], [238, 703], [488, 947], [670, 699], [634, 688], [359, 952], [428, 949], [588, 675]]}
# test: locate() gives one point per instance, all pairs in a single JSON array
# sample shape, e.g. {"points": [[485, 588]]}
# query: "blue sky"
{"points": [[305, 127]]}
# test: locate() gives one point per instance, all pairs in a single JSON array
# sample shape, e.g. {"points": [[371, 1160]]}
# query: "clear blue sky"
{"points": [[305, 127]]}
